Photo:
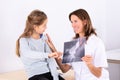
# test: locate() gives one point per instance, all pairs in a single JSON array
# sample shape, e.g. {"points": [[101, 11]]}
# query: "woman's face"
{"points": [[40, 29], [77, 24]]}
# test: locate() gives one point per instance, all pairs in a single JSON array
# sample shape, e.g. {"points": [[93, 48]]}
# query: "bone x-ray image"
{"points": [[73, 51]]}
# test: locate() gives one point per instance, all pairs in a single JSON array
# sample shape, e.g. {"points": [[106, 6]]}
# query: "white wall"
{"points": [[113, 24], [12, 21]]}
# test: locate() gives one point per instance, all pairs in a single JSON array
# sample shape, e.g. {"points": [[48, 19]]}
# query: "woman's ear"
{"points": [[84, 22]]}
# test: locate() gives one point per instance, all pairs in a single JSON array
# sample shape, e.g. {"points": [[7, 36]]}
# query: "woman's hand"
{"points": [[87, 59], [94, 70]]}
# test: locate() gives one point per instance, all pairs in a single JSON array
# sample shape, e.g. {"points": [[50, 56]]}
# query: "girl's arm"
{"points": [[27, 52], [63, 67]]}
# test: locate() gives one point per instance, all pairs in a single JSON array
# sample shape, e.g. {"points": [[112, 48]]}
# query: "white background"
{"points": [[13, 13]]}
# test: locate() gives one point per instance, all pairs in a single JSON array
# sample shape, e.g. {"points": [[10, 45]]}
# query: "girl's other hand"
{"points": [[59, 55], [54, 55], [49, 42], [48, 38]]}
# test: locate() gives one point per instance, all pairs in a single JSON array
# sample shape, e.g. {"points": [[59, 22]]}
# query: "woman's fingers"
{"points": [[87, 59]]}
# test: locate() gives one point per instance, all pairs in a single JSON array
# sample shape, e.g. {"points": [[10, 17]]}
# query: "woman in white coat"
{"points": [[94, 63]]}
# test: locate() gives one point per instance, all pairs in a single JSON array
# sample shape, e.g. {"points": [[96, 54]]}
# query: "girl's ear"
{"points": [[34, 26]]}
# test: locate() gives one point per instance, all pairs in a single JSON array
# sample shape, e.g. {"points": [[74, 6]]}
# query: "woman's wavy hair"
{"points": [[36, 17]]}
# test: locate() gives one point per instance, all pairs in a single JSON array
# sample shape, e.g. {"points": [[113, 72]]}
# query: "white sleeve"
{"points": [[27, 52], [100, 58]]}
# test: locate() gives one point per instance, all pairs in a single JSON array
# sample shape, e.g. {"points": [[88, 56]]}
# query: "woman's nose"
{"points": [[73, 25]]}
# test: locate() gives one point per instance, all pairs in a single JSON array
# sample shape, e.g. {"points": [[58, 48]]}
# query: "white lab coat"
{"points": [[96, 49]]}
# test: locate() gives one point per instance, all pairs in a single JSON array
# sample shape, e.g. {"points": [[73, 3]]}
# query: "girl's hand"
{"points": [[51, 45], [48, 38], [87, 59], [59, 55]]}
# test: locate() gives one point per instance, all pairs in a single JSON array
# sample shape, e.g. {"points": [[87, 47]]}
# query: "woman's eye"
{"points": [[75, 21]]}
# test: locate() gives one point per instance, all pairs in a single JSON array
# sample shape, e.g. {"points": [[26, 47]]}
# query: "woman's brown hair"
{"points": [[83, 15], [36, 17]]}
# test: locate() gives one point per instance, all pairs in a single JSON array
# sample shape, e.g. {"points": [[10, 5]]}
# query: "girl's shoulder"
{"points": [[43, 36], [23, 38]]}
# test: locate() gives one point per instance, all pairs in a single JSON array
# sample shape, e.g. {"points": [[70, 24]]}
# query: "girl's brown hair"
{"points": [[83, 15], [36, 17]]}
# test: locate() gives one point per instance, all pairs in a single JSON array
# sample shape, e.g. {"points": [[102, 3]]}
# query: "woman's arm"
{"points": [[94, 70]]}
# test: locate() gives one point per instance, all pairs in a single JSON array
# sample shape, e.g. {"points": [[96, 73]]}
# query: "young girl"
{"points": [[33, 50], [94, 63]]}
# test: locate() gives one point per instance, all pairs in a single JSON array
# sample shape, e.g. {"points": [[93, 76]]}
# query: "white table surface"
{"points": [[113, 55]]}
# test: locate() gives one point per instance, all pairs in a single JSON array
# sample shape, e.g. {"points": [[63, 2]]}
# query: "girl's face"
{"points": [[40, 29], [77, 24]]}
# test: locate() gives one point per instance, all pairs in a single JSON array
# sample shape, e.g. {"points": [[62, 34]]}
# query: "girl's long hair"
{"points": [[83, 15], [36, 17]]}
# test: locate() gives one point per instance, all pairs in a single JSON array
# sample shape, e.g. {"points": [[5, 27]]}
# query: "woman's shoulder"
{"points": [[95, 39], [95, 42]]}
